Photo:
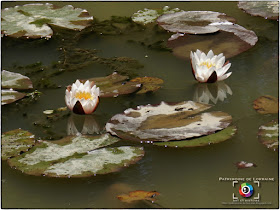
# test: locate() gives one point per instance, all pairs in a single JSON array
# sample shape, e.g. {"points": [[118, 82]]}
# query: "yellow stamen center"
{"points": [[207, 64], [84, 95]]}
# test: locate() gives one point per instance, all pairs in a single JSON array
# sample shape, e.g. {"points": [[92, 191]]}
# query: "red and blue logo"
{"points": [[246, 190]]}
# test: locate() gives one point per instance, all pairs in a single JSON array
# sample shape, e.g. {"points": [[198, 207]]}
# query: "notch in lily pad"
{"points": [[37, 19]]}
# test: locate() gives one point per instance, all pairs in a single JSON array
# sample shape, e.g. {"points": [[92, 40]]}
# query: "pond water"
{"points": [[185, 177]]}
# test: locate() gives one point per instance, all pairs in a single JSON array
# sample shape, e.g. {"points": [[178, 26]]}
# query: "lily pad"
{"points": [[269, 135], [215, 138], [230, 40], [167, 121], [36, 20], [138, 195], [149, 84], [77, 156], [266, 9], [10, 96], [243, 164], [194, 22], [266, 105], [146, 16], [15, 142], [15, 81]]}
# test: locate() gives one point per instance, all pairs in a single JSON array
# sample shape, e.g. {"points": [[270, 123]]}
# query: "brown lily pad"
{"points": [[149, 84], [167, 121], [266, 105], [269, 135], [138, 195], [266, 9], [14, 142], [10, 96]]}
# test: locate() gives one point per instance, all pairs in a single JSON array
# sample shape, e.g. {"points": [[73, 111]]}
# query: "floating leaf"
{"points": [[138, 195], [266, 9], [34, 20], [215, 138], [266, 104], [193, 22], [146, 16], [243, 164], [77, 156], [231, 40], [167, 122], [10, 96], [15, 81], [269, 135], [149, 84], [15, 142]]}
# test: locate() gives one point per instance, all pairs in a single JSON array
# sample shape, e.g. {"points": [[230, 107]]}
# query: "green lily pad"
{"points": [[15, 81], [149, 84], [77, 156], [266, 105], [10, 96], [231, 40], [35, 20], [146, 16], [15, 142], [167, 121], [194, 22], [269, 135], [215, 138], [266, 9]]}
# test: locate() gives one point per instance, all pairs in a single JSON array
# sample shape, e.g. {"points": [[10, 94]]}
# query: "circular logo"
{"points": [[246, 190]]}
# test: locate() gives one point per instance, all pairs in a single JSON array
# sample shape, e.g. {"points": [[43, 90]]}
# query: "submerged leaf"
{"points": [[138, 195], [266, 9], [269, 135], [215, 138], [149, 84], [10, 96], [266, 105], [167, 122], [34, 20], [15, 81], [14, 142]]}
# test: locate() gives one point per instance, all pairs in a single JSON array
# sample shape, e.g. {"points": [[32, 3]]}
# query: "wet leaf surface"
{"points": [[266, 104], [36, 20], [269, 135], [266, 9], [138, 195], [10, 96], [215, 138], [14, 142], [243, 164], [15, 81], [167, 121], [149, 84], [76, 156]]}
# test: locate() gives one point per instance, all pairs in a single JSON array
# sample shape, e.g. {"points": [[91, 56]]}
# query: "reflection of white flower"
{"points": [[204, 92], [82, 98], [90, 126], [209, 68]]}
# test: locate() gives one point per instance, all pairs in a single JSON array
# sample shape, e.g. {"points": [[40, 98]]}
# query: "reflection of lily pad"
{"points": [[10, 96], [146, 16], [15, 81], [231, 40], [193, 22], [149, 84], [266, 9], [14, 142], [215, 138], [167, 122], [269, 135], [266, 104], [138, 195], [34, 20], [77, 156]]}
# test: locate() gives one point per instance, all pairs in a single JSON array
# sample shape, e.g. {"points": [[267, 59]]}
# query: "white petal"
{"points": [[214, 59], [223, 70], [198, 53], [87, 84], [72, 103], [209, 72], [223, 77], [77, 83], [220, 62], [210, 54], [202, 57]]}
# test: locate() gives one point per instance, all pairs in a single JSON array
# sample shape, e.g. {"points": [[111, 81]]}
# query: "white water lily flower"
{"points": [[82, 98], [209, 68]]}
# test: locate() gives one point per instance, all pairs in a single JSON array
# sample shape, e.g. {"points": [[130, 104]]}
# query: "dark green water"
{"points": [[186, 178]]}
